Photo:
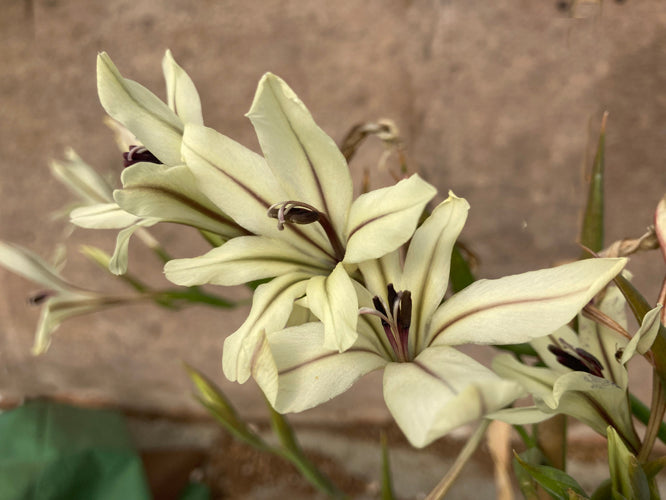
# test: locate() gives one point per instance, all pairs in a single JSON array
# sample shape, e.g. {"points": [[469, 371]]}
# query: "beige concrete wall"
{"points": [[496, 100]]}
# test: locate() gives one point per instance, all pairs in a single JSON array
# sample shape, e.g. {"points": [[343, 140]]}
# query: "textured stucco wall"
{"points": [[496, 100]]}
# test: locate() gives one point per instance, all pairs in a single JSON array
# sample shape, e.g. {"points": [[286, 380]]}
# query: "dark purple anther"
{"points": [[39, 297], [580, 360], [405, 311], [138, 154]]}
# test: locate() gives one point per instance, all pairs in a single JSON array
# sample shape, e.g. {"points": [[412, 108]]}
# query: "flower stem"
{"points": [[197, 295], [465, 454], [658, 407], [642, 413], [293, 452]]}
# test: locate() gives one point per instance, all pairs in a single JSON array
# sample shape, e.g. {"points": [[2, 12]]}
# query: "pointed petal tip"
{"points": [[274, 82]]}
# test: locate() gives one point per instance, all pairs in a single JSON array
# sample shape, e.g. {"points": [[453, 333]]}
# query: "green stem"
{"points": [[293, 452], [658, 407], [642, 413], [387, 481], [465, 454], [524, 435], [197, 295]]}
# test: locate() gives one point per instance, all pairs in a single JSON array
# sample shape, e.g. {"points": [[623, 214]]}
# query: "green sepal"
{"points": [[214, 239], [252, 285], [628, 480], [214, 400], [556, 482]]}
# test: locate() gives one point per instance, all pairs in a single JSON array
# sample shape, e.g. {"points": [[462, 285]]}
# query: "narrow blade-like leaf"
{"points": [[592, 232], [556, 482]]}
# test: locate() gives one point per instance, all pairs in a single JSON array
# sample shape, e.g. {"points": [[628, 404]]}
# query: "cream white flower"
{"points": [[585, 374], [162, 189], [429, 386], [59, 298], [304, 183]]}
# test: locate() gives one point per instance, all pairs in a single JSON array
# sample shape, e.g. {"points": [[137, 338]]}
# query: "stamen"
{"points": [[405, 314], [298, 212], [395, 318], [138, 154], [377, 302], [39, 297], [294, 212], [578, 359]]}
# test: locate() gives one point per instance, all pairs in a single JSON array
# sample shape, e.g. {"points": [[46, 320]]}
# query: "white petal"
{"points": [[63, 306], [240, 260], [594, 401], [310, 374], [182, 95], [271, 307], [440, 390], [233, 177], [642, 341], [521, 415], [307, 162], [379, 273], [81, 179], [171, 194], [382, 220], [519, 308], [540, 345], [142, 112], [119, 259], [333, 300], [102, 216], [536, 380], [427, 263], [240, 183], [54, 312], [660, 225], [29, 265]]}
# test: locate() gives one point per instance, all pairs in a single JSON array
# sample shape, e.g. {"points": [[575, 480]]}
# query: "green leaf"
{"points": [[387, 481], [461, 274], [592, 232], [56, 451], [526, 484], [556, 482]]}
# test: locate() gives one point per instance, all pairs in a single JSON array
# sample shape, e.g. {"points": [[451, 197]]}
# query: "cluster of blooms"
{"points": [[352, 285]]}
